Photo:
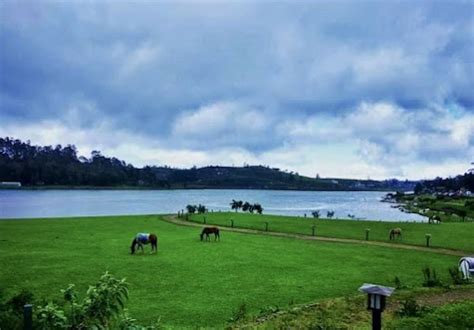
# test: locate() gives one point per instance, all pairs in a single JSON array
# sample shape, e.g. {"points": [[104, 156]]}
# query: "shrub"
{"points": [[11, 311], [397, 283], [239, 314], [457, 276], [431, 280], [410, 308], [50, 316], [451, 316]]}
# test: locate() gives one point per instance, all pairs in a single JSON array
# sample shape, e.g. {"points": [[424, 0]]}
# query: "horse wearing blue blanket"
{"points": [[143, 239]]}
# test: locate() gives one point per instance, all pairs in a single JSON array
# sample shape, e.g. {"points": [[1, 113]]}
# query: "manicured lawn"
{"points": [[448, 235], [193, 283]]}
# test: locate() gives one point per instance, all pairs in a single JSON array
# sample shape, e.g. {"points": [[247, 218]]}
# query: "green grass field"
{"points": [[193, 283], [447, 235]]}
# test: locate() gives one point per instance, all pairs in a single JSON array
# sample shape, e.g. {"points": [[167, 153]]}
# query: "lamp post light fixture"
{"points": [[376, 301]]}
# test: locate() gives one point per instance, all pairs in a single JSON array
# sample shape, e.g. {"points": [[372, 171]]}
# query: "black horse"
{"points": [[210, 230], [142, 239]]}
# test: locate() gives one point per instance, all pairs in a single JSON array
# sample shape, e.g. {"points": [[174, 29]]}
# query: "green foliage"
{"points": [[315, 214], [430, 278], [129, 323], [398, 283], [60, 165], [17, 302], [102, 305], [469, 204], [410, 308], [268, 310], [191, 208], [457, 276], [196, 208], [50, 316], [201, 209], [105, 300], [239, 314], [448, 317], [11, 310]]}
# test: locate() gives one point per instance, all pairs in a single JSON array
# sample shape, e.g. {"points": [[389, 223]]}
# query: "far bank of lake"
{"points": [[69, 203]]}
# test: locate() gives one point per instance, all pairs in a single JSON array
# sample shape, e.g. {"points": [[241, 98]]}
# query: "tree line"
{"points": [[60, 165], [465, 181], [196, 208]]}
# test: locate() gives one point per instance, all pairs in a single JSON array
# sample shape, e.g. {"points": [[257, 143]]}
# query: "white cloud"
{"points": [[230, 124]]}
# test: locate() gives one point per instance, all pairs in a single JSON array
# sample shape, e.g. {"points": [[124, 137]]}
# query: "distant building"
{"points": [[10, 184]]}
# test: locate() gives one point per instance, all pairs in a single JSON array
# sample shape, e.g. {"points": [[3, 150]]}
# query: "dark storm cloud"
{"points": [[152, 68]]}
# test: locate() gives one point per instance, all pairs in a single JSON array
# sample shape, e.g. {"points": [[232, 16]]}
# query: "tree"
{"points": [[258, 208], [246, 206], [191, 208], [315, 214], [234, 205], [251, 208], [201, 209], [330, 214]]}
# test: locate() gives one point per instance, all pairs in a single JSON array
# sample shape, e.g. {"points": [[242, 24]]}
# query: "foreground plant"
{"points": [[103, 307]]}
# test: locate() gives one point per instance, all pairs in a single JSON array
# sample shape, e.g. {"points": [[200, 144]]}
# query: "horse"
{"points": [[210, 230], [395, 233], [142, 239], [434, 219]]}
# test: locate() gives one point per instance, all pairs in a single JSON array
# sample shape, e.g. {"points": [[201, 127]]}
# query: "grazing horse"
{"points": [[210, 230], [142, 239], [434, 219], [395, 233]]}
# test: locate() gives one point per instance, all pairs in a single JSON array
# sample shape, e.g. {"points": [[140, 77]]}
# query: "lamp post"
{"points": [[376, 301], [28, 317]]}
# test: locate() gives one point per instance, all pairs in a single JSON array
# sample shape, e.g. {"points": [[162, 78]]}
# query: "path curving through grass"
{"points": [[453, 252]]}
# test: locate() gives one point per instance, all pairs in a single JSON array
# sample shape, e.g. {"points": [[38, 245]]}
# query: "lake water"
{"points": [[64, 203]]}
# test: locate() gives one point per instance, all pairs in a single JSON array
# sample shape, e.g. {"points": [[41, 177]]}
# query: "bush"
{"points": [[239, 314], [410, 308], [103, 307], [457, 276], [397, 283], [11, 311], [448, 317], [431, 280]]}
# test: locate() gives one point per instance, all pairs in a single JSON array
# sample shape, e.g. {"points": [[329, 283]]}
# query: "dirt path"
{"points": [[174, 219]]}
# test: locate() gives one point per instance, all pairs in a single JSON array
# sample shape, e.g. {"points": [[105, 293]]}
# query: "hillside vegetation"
{"points": [[60, 166]]}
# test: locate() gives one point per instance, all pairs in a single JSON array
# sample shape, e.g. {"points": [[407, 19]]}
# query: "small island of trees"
{"points": [[246, 206]]}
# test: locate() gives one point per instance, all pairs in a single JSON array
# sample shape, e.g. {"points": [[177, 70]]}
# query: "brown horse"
{"points": [[395, 233], [143, 239], [210, 230]]}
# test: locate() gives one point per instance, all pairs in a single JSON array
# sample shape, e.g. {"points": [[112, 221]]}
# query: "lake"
{"points": [[68, 203]]}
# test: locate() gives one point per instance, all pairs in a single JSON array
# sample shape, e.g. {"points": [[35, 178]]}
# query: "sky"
{"points": [[352, 89]]}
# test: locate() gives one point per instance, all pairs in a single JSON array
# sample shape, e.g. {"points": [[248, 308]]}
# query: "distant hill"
{"points": [[36, 166]]}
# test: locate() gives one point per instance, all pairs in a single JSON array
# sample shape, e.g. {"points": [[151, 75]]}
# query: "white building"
{"points": [[6, 184]]}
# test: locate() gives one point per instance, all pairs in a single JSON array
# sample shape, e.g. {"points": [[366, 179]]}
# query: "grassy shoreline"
{"points": [[447, 208], [445, 235]]}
